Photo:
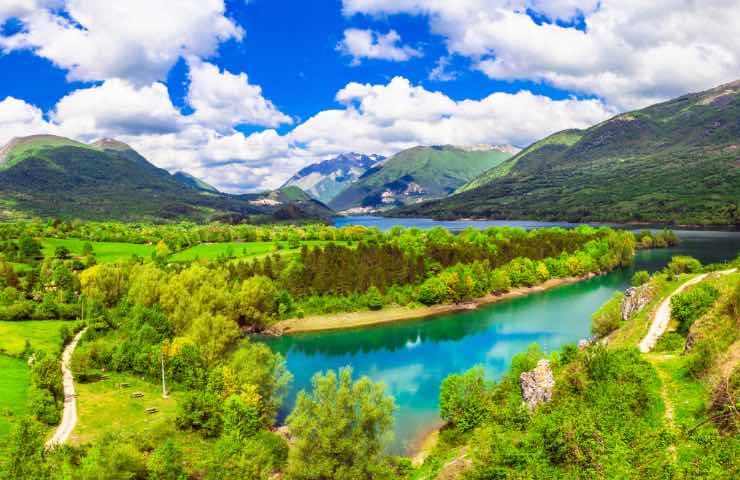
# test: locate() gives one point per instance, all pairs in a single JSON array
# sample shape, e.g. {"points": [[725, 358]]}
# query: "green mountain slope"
{"points": [[674, 162], [49, 176], [193, 182], [418, 174]]}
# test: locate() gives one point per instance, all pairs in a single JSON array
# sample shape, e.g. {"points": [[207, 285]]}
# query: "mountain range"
{"points": [[673, 162], [418, 174], [325, 180], [49, 176]]}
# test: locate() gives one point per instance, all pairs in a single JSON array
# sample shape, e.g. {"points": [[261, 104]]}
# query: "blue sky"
{"points": [[245, 93]]}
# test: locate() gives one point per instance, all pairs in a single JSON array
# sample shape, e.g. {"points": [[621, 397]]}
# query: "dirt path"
{"points": [[69, 416], [663, 314]]}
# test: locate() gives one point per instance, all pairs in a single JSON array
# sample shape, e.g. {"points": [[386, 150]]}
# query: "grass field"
{"points": [[43, 334], [210, 251], [105, 407], [14, 383], [104, 251]]}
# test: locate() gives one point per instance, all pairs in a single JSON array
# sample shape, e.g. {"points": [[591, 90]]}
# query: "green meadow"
{"points": [[211, 251], [105, 252], [14, 383], [43, 335]]}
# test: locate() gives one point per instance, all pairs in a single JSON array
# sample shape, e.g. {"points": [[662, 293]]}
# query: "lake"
{"points": [[413, 357]]}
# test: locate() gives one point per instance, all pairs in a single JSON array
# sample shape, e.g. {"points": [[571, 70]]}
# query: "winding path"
{"points": [[69, 417], [663, 314]]}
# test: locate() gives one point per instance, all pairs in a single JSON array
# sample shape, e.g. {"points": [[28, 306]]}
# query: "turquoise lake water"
{"points": [[413, 357]]}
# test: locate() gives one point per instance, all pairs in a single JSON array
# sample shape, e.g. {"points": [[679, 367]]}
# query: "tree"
{"points": [[374, 298], [163, 250], [29, 247], [25, 452], [241, 417], [61, 252], [256, 364], [105, 283], [214, 334], [256, 301], [463, 399], [640, 278], [341, 429]]}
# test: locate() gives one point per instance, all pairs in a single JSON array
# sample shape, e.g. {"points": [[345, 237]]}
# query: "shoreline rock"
{"points": [[537, 385]]}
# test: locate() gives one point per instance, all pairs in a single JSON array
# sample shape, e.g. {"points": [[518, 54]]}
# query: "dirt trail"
{"points": [[663, 314], [69, 416]]}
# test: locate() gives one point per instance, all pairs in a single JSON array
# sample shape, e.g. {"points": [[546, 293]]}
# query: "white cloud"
{"points": [[223, 99], [632, 52], [18, 118], [117, 108], [138, 40], [374, 45], [382, 119], [440, 73]]}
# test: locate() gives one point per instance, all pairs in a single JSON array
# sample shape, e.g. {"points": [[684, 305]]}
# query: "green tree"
{"points": [[464, 398], [341, 429], [640, 278], [256, 364], [105, 283], [241, 419], [25, 452], [214, 334], [166, 462], [61, 252], [374, 298], [257, 301]]}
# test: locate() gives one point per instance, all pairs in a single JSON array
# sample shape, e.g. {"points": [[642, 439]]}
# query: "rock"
{"points": [[137, 395], [584, 343], [537, 384], [151, 410], [635, 298]]}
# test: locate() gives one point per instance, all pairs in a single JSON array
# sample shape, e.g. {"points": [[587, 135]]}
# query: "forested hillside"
{"points": [[418, 174], [674, 162], [50, 176]]}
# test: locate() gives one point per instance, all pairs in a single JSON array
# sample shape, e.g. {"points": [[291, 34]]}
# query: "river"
{"points": [[413, 357]]}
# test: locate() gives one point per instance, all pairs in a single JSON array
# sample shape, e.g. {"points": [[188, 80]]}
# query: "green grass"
{"points": [[14, 383], [43, 335], [105, 252]]}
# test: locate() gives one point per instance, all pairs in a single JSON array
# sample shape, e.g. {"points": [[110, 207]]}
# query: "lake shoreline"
{"points": [[349, 320]]}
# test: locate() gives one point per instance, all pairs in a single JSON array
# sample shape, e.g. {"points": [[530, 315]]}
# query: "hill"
{"points": [[48, 176], [326, 179], [418, 174], [674, 162], [193, 182]]}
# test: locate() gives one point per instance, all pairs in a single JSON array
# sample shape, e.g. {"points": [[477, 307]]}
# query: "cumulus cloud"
{"points": [[372, 118], [18, 118], [632, 53], [374, 45], [97, 40], [223, 99]]}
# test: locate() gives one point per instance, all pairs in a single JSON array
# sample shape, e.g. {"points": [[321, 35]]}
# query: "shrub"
{"points": [[432, 291], [670, 342], [464, 398], [683, 264], [374, 298], [687, 307], [607, 318], [201, 412], [640, 278]]}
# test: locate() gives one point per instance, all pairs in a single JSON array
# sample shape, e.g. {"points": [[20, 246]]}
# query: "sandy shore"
{"points": [[339, 321]]}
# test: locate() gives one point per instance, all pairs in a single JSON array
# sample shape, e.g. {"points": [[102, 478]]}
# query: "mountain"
{"points": [[418, 174], [326, 179], [49, 176], [674, 162], [188, 180]]}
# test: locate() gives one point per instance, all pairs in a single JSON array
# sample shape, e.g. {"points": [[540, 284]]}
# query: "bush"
{"points": [[670, 342], [683, 264], [687, 307], [607, 318], [640, 278], [432, 291], [201, 412], [374, 298], [463, 399]]}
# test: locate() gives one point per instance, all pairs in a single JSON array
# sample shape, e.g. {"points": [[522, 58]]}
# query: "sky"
{"points": [[244, 93]]}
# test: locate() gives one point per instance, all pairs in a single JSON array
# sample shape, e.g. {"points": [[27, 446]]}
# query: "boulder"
{"points": [[635, 298], [537, 385]]}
